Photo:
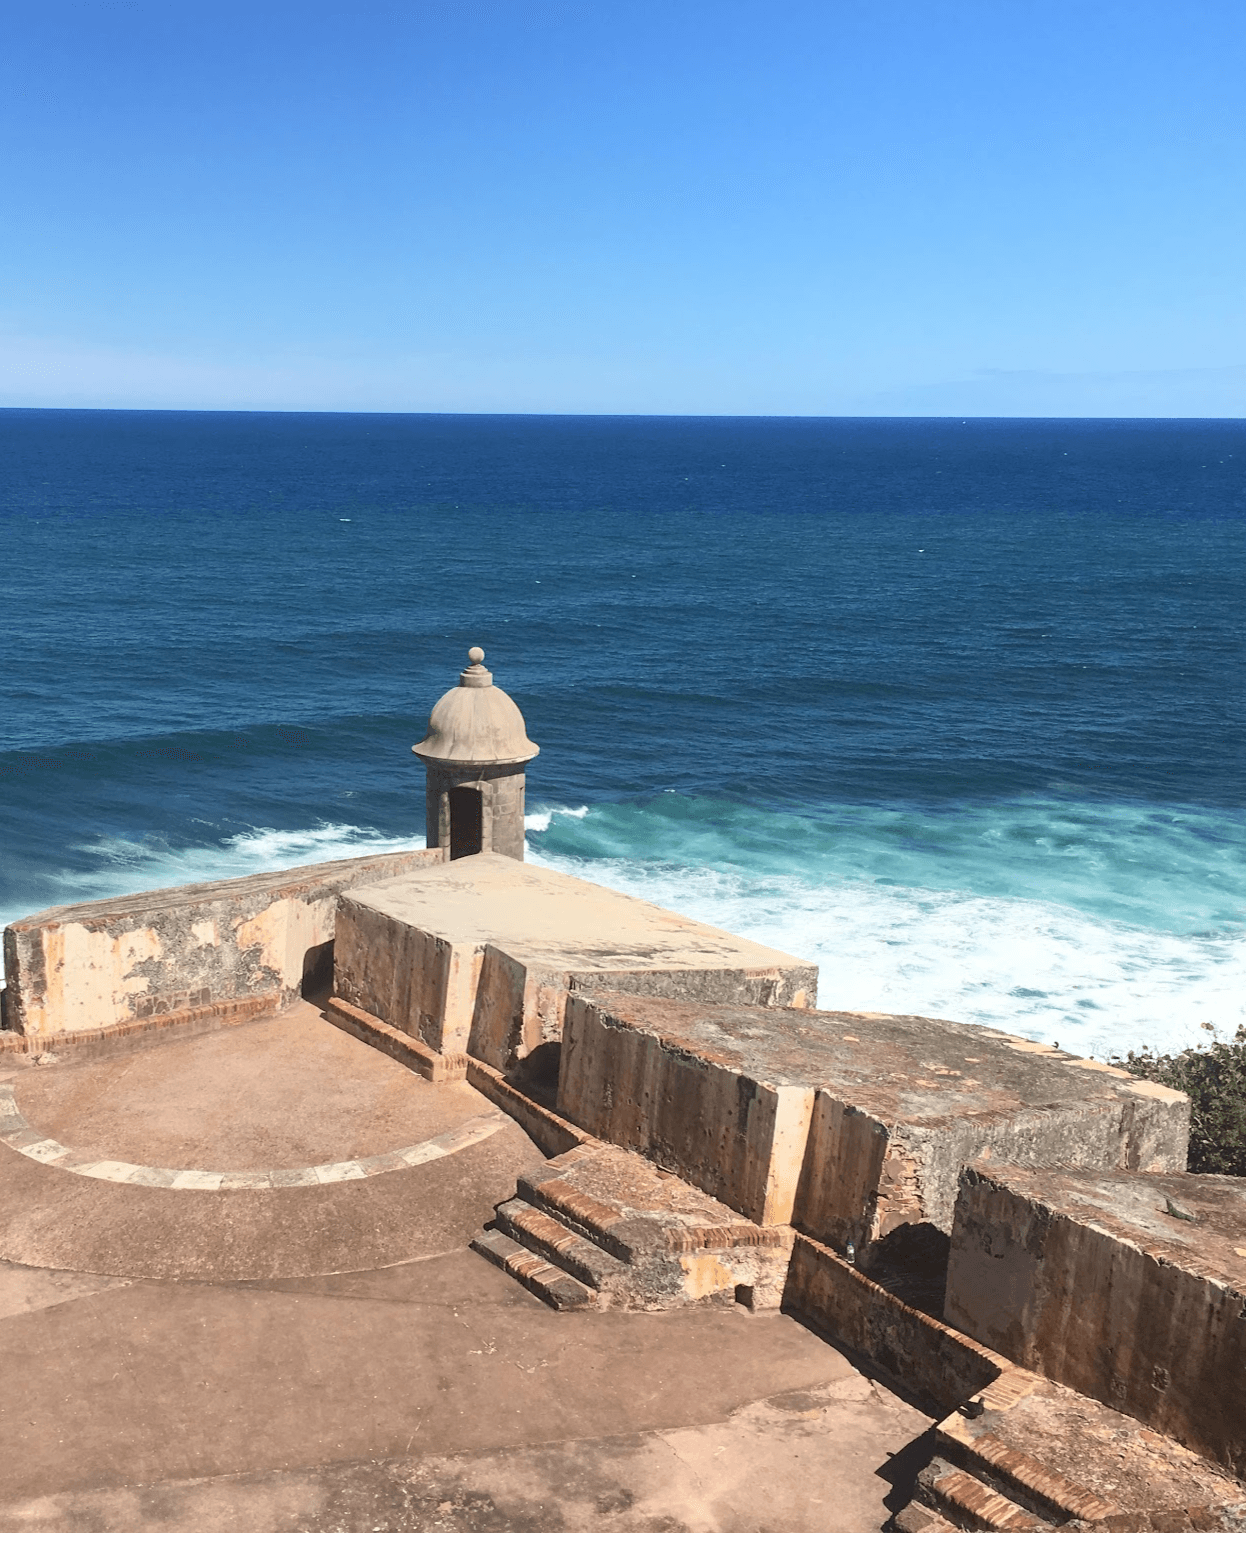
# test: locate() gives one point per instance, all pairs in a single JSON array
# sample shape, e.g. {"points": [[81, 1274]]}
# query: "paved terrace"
{"points": [[236, 1295]]}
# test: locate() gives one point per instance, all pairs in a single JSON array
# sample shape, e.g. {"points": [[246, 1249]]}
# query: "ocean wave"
{"points": [[1163, 868], [141, 865], [1043, 971], [1036, 961], [1100, 926], [539, 821]]}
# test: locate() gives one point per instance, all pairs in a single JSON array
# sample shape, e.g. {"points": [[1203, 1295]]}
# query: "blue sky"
{"points": [[874, 208]]}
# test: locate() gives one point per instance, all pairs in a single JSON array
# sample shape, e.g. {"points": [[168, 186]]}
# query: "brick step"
{"points": [[1022, 1476], [970, 1504], [561, 1246], [1080, 1465], [557, 1288], [640, 1238], [920, 1520], [634, 1210]]}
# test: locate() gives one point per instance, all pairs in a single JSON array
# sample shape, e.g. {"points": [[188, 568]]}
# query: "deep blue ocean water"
{"points": [[954, 708]]}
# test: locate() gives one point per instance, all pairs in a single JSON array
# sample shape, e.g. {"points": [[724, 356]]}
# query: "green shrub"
{"points": [[1215, 1078]]}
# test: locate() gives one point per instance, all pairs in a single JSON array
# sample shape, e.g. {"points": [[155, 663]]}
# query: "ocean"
{"points": [[954, 708]]}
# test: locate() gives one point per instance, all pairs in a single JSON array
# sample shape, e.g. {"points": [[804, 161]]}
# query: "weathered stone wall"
{"points": [[479, 954], [412, 978], [230, 948], [868, 1175], [851, 1125], [519, 1006], [734, 1130], [927, 1357], [1130, 1288]]}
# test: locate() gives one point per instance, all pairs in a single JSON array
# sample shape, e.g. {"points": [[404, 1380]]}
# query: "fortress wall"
{"points": [[520, 1007], [417, 981], [730, 1129], [1127, 1287], [853, 1126], [179, 957], [929, 1358], [478, 955]]}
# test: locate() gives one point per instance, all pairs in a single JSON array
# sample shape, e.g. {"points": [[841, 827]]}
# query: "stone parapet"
{"points": [[701, 1093], [478, 955], [1129, 1288], [926, 1358], [120, 969], [853, 1126]]}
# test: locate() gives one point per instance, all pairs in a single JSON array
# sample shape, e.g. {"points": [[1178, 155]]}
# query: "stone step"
{"points": [[561, 1246], [1021, 1475], [641, 1238], [970, 1504], [557, 1288]]}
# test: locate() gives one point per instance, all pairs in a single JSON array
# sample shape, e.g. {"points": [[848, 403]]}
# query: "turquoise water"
{"points": [[954, 708]]}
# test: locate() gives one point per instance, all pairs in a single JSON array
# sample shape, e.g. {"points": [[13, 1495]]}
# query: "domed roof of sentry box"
{"points": [[476, 722]]}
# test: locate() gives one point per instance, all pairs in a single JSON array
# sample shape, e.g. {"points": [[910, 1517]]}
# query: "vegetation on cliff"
{"points": [[1214, 1075]]}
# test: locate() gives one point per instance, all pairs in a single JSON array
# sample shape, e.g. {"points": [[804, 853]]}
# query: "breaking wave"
{"points": [[1100, 928]]}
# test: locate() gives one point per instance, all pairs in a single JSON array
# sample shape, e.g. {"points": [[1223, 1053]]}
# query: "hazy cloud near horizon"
{"points": [[48, 374]]}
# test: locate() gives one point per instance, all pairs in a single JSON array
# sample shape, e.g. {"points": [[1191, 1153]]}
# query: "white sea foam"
{"points": [[130, 866], [539, 821], [1043, 971], [1095, 983]]}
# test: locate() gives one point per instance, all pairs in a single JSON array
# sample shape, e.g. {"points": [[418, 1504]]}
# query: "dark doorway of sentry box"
{"points": [[466, 822]]}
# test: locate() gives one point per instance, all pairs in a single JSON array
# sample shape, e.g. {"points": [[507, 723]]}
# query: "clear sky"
{"points": [[913, 207]]}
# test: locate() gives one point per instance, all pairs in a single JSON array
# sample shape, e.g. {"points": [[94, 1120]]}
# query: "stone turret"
{"points": [[475, 754]]}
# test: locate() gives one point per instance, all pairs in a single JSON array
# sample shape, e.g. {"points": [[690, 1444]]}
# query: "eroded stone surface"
{"points": [[1129, 1288], [92, 968], [852, 1125], [668, 1243], [479, 954], [1090, 1461]]}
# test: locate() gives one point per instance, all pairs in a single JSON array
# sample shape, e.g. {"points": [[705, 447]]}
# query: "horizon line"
{"points": [[684, 416]]}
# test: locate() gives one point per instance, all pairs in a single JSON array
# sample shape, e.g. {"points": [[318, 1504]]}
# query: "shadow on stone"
{"points": [[536, 1075], [317, 982], [903, 1469], [911, 1262]]}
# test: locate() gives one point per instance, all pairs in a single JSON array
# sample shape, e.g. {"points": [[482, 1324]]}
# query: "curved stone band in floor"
{"points": [[16, 1132], [72, 1222]]}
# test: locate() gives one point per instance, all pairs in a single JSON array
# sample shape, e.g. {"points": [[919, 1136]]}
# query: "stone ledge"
{"points": [[394, 1043], [1081, 1465], [143, 1032], [926, 1358], [552, 1134], [1125, 1287], [851, 1126]]}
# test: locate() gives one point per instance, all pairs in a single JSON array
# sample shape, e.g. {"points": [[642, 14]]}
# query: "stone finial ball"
{"points": [[475, 656]]}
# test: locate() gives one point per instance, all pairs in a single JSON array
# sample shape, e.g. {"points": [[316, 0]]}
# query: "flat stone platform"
{"points": [[280, 1148], [276, 1094], [477, 955], [331, 1357]]}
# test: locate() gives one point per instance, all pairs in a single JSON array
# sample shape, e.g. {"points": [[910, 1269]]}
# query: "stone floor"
{"points": [[194, 1338]]}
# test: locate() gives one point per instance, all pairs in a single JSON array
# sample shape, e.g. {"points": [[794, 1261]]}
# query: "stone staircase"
{"points": [[1047, 1459], [603, 1228]]}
